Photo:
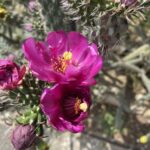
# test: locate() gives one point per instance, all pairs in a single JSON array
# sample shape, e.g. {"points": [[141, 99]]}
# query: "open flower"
{"points": [[23, 137], [63, 57], [10, 74], [66, 106]]}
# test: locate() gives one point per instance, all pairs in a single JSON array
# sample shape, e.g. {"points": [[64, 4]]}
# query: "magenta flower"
{"points": [[66, 106], [23, 137], [10, 74], [128, 2], [63, 57]]}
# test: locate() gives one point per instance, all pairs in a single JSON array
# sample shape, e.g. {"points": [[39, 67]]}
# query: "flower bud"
{"points": [[23, 137], [32, 5], [129, 2], [28, 27]]}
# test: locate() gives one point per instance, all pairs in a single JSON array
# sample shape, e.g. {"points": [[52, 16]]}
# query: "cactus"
{"points": [[104, 22], [52, 15]]}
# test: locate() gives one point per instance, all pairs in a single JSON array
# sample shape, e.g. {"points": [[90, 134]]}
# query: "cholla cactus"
{"points": [[52, 15], [84, 9], [112, 28], [104, 22], [99, 23], [30, 89]]}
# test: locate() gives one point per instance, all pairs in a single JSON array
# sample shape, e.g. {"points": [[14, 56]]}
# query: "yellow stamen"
{"points": [[83, 107], [77, 104], [59, 65], [67, 55], [62, 66]]}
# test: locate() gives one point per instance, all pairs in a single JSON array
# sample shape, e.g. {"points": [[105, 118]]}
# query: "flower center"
{"points": [[67, 55], [80, 106], [60, 64]]}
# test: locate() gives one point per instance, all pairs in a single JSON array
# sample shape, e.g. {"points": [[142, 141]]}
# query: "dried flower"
{"points": [[10, 74], [23, 137], [66, 106], [63, 57]]}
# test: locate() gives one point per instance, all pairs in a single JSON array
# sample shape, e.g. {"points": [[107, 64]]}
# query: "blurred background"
{"points": [[120, 114]]}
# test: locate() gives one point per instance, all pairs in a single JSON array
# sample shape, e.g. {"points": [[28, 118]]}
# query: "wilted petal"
{"points": [[11, 74]]}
